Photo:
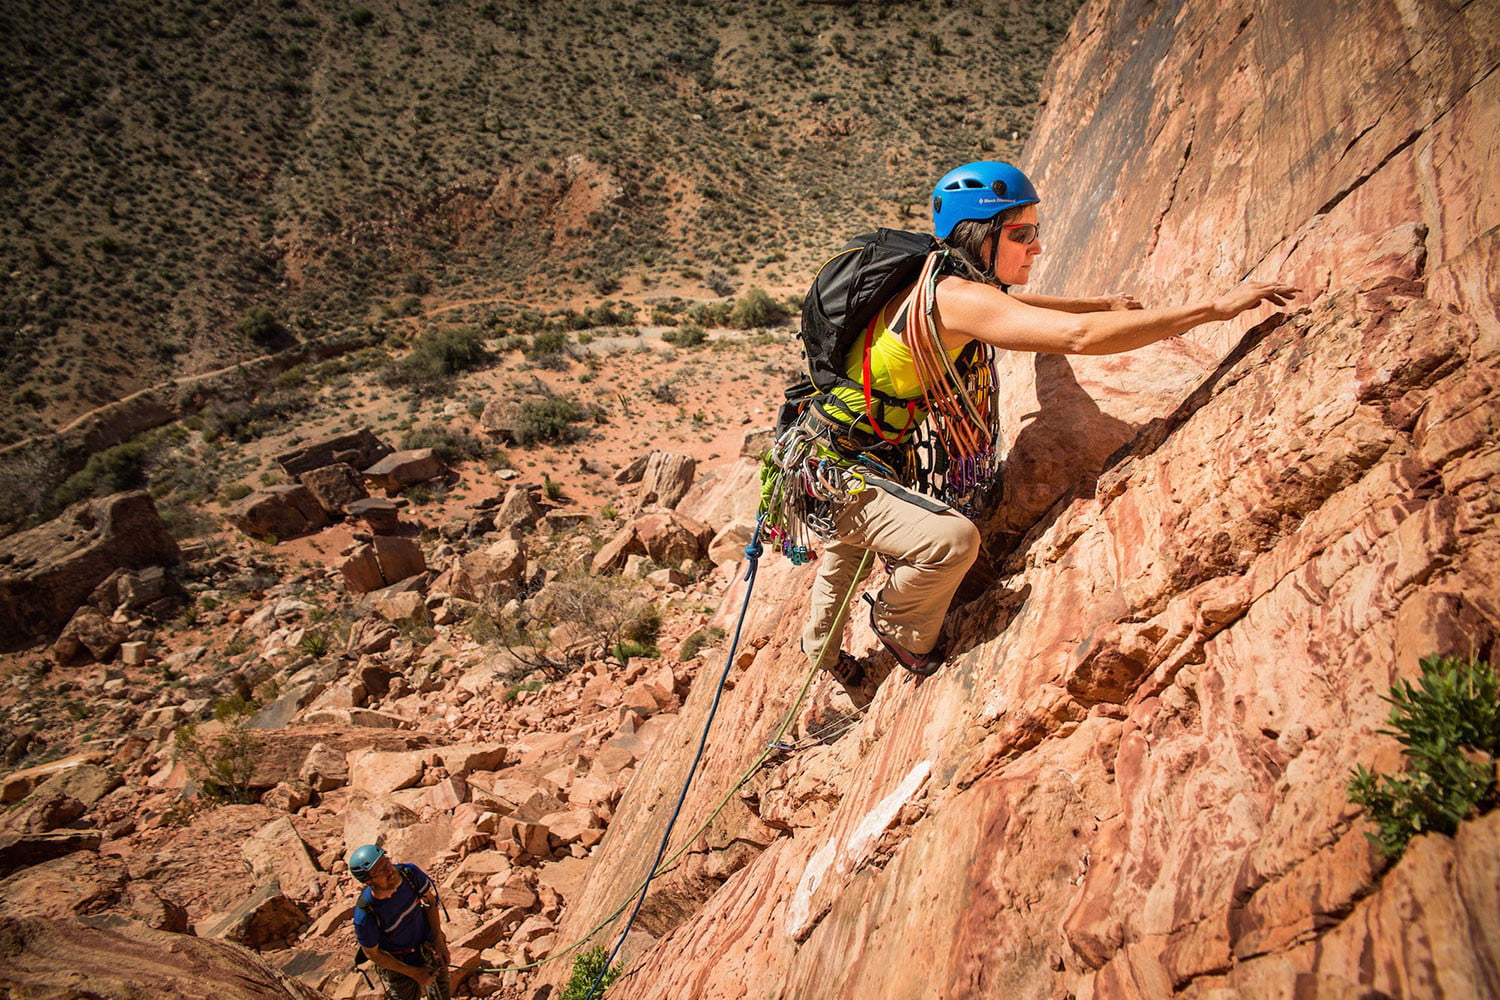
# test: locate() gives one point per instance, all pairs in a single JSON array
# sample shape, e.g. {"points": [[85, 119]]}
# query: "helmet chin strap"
{"points": [[994, 253]]}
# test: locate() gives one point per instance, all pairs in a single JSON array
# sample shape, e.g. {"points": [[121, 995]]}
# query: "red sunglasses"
{"points": [[1026, 233]]}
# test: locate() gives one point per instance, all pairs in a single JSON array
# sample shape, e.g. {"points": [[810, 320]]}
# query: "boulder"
{"points": [[502, 416], [18, 784], [359, 449], [371, 635], [137, 589], [372, 821], [756, 442], [118, 959], [494, 573], [154, 910], [573, 825], [728, 546], [520, 509], [334, 487], [374, 773], [324, 768], [46, 573], [612, 556], [420, 843], [385, 560], [276, 851], [269, 918], [634, 472], [401, 469], [23, 850], [406, 606], [88, 636], [279, 512], [666, 480], [669, 537], [380, 515]]}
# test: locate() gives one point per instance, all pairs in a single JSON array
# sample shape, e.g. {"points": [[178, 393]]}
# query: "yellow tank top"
{"points": [[892, 371]]}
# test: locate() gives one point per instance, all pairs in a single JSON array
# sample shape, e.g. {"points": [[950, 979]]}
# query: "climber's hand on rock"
{"points": [[1251, 294], [1119, 300]]}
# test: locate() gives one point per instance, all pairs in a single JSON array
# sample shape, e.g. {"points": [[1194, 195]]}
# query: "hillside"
{"points": [[171, 167]]}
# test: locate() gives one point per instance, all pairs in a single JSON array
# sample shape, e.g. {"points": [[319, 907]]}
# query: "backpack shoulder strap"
{"points": [[363, 905]]}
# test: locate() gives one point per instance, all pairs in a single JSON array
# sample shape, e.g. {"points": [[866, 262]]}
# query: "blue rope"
{"points": [[753, 552]]}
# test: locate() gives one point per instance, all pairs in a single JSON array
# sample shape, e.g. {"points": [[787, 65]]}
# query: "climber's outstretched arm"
{"points": [[1078, 304], [968, 310]]}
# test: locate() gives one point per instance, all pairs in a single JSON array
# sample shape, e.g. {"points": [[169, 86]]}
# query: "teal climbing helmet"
{"points": [[363, 861], [978, 191]]}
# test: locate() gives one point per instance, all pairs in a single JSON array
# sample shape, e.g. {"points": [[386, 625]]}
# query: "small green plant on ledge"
{"points": [[585, 970], [1449, 726]]}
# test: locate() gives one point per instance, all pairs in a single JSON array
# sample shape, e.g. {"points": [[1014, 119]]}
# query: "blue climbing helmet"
{"points": [[978, 191], [363, 861]]}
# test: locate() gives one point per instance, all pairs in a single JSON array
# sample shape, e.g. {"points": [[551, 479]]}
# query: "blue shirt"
{"points": [[402, 926]]}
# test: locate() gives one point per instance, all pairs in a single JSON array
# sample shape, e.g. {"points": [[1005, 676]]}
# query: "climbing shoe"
{"points": [[848, 671], [921, 664]]}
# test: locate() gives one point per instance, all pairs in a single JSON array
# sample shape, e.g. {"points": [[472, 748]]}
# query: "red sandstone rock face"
{"points": [[1130, 780], [45, 957]]}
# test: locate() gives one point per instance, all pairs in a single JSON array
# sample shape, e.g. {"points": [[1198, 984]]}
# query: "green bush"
{"points": [[112, 470], [1449, 729], [313, 644], [263, 327], [222, 767], [551, 419], [547, 342], [686, 335], [450, 445], [756, 308], [436, 357], [694, 643], [586, 969], [711, 314]]}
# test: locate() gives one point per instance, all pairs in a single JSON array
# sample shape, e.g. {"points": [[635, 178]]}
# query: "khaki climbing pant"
{"points": [[931, 546]]}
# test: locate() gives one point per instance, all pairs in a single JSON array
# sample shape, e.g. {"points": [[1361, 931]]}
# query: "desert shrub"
{"points": [[711, 314], [436, 357], [1449, 728], [554, 418], [223, 765], [585, 972], [122, 467], [245, 420], [686, 335], [608, 612], [547, 342], [695, 643], [263, 327], [756, 308], [314, 643], [450, 445]]}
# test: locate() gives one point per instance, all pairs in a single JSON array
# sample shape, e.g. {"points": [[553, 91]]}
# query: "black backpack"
{"points": [[848, 292]]}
